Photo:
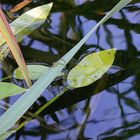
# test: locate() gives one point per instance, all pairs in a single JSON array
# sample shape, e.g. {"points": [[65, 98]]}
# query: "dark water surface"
{"points": [[114, 112]]}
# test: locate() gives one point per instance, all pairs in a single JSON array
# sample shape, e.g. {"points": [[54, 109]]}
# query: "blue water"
{"points": [[114, 113]]}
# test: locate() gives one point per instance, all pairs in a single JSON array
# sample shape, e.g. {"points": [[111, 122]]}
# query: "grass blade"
{"points": [[12, 44], [120, 5], [9, 118]]}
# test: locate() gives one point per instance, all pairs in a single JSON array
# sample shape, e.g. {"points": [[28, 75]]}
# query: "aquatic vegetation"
{"points": [[24, 25], [26, 100], [35, 71], [90, 69], [13, 89]]}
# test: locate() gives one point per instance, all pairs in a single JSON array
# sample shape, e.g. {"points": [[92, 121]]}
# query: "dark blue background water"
{"points": [[114, 112]]}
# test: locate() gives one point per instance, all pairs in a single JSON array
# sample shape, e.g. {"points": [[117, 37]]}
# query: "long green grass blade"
{"points": [[9, 118], [119, 6], [24, 25]]}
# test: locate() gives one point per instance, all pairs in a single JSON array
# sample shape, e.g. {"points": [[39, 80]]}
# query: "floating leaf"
{"points": [[10, 89], [91, 68], [35, 71]]}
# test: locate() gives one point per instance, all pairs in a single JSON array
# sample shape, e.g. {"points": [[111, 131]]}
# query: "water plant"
{"points": [[30, 96]]}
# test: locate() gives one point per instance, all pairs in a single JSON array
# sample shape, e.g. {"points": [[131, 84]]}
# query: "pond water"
{"points": [[108, 109]]}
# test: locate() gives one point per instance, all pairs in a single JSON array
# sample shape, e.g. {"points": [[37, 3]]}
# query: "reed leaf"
{"points": [[10, 39], [13, 114]]}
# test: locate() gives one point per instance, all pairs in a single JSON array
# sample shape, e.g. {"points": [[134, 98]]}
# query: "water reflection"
{"points": [[112, 114]]}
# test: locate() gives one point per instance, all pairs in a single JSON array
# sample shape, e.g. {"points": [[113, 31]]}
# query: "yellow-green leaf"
{"points": [[35, 71], [10, 89], [91, 68], [25, 24]]}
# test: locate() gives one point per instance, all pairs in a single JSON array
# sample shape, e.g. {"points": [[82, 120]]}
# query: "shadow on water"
{"points": [[114, 114]]}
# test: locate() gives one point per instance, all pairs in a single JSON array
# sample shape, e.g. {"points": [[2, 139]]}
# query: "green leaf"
{"points": [[10, 89], [35, 71], [24, 25], [91, 68]]}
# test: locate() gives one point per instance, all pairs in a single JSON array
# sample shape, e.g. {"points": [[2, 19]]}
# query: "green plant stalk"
{"points": [[13, 114], [5, 78], [40, 110], [13, 45]]}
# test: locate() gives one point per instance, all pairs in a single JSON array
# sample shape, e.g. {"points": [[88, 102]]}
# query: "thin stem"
{"points": [[41, 109]]}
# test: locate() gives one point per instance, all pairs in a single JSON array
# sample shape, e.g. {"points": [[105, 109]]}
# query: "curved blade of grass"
{"points": [[13, 45], [9, 118], [24, 25]]}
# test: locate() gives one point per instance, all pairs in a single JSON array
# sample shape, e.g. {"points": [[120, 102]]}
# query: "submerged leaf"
{"points": [[35, 71], [10, 89], [91, 68]]}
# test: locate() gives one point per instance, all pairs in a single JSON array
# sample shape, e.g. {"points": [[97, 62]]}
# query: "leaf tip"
{"points": [[115, 49], [51, 4]]}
